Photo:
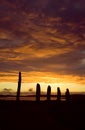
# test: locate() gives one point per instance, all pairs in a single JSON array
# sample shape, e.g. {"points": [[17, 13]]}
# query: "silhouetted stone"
{"points": [[48, 93], [67, 95], [19, 87], [38, 92], [58, 94]]}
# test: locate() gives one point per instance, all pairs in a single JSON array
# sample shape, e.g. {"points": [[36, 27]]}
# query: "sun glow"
{"points": [[29, 81], [25, 87]]}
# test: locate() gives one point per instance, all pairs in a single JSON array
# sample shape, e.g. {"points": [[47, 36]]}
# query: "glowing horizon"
{"points": [[25, 87], [45, 40], [64, 81]]}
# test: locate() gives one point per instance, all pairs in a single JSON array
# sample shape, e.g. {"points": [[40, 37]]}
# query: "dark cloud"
{"points": [[43, 36]]}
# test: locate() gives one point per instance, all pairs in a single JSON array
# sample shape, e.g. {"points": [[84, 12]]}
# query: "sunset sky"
{"points": [[45, 40]]}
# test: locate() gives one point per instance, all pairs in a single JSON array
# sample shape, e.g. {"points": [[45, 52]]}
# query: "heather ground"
{"points": [[30, 115]]}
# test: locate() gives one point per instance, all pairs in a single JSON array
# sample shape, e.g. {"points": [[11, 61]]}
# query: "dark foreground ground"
{"points": [[30, 115]]}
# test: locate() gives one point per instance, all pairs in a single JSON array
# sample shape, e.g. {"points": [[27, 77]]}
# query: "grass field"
{"points": [[43, 115]]}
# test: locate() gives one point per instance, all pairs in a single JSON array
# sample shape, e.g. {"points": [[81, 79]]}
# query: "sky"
{"points": [[45, 40]]}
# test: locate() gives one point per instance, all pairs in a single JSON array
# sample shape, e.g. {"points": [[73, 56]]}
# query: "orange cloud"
{"points": [[43, 39]]}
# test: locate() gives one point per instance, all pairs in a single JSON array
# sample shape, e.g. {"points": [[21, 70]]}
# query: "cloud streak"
{"points": [[43, 36]]}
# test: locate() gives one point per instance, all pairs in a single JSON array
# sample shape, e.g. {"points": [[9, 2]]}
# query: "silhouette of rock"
{"points": [[58, 94], [48, 93], [67, 95], [19, 87], [38, 92]]}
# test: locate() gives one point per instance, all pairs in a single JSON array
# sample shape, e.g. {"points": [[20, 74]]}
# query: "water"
{"points": [[29, 98]]}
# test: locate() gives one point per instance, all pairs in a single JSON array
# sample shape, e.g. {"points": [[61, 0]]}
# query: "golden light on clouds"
{"points": [[45, 40]]}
